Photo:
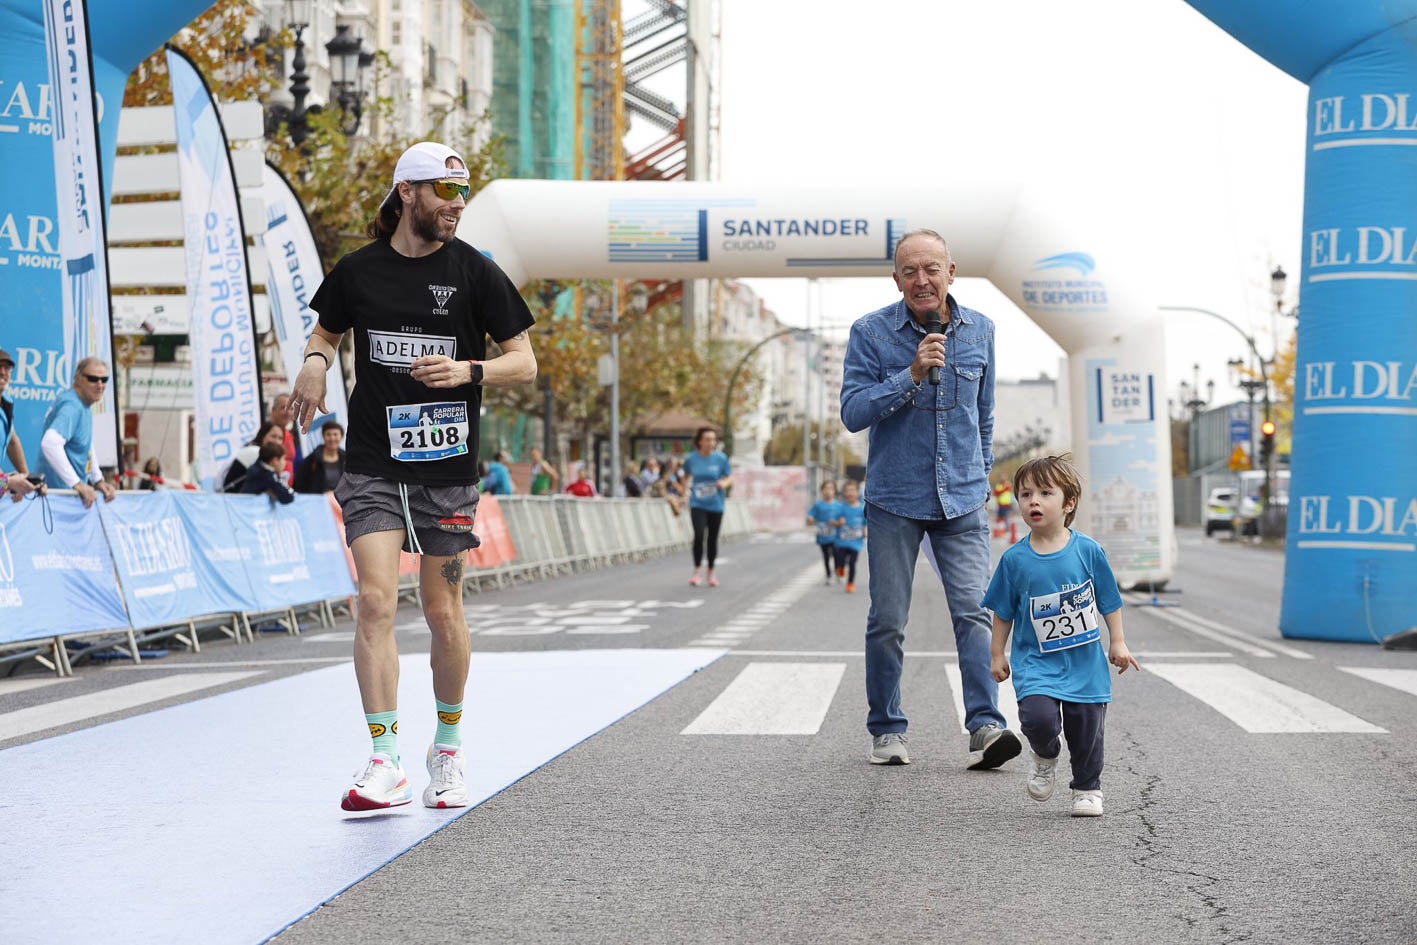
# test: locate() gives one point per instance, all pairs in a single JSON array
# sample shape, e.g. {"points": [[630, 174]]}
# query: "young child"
{"points": [[850, 533], [1051, 586], [823, 514]]}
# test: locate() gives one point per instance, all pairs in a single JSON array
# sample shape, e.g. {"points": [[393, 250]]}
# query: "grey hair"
{"points": [[922, 231]]}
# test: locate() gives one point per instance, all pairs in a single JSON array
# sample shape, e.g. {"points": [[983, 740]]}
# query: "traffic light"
{"points": [[1266, 441]]}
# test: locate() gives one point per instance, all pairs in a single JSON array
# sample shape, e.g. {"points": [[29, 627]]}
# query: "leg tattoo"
{"points": [[452, 570]]}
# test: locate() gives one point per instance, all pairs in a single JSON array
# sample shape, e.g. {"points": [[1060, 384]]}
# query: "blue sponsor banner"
{"points": [[31, 268], [172, 564], [56, 574], [292, 553]]}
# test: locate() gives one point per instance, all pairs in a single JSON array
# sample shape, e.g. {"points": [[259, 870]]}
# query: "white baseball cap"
{"points": [[426, 160]]}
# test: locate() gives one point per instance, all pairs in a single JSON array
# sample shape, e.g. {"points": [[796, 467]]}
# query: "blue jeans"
{"points": [[961, 549]]}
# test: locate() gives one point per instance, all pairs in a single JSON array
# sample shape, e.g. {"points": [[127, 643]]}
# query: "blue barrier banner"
{"points": [[293, 553], [171, 562], [56, 574]]}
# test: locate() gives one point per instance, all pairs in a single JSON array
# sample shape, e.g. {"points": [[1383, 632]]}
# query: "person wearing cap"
{"points": [[66, 446], [17, 483], [421, 305]]}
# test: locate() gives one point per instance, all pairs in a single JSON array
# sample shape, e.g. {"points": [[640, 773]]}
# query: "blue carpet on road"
{"points": [[218, 821]]}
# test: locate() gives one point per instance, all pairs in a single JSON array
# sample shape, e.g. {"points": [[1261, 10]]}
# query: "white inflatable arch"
{"points": [[1079, 286]]}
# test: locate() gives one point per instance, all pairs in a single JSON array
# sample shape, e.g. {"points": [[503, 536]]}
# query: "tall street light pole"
{"points": [[733, 381], [1268, 523]]}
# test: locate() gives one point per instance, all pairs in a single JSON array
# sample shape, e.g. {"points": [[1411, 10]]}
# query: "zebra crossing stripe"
{"points": [[1008, 699], [772, 699], [1256, 703], [116, 699], [1403, 679]]}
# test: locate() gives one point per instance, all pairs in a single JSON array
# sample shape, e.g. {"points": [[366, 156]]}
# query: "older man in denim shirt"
{"points": [[927, 478]]}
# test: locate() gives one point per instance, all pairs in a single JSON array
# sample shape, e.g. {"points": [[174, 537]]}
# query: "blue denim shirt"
{"points": [[931, 447]]}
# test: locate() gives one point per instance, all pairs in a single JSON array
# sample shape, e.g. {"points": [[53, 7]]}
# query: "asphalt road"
{"points": [[1218, 829]]}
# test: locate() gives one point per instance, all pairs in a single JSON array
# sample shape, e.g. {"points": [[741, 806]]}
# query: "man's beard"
{"points": [[426, 225]]}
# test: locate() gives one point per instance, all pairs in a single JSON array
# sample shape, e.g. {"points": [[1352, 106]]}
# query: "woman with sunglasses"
{"points": [[421, 305], [66, 457]]}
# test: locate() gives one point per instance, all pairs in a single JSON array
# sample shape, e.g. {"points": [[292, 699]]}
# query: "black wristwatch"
{"points": [[476, 371]]}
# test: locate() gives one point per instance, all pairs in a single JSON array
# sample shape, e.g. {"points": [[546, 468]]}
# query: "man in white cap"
{"points": [[421, 304], [16, 483]]}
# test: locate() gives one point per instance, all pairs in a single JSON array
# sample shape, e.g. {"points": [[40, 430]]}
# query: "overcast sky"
{"points": [[1146, 103]]}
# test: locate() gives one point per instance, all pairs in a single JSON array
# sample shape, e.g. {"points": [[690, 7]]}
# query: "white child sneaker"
{"points": [[1087, 803], [1040, 778]]}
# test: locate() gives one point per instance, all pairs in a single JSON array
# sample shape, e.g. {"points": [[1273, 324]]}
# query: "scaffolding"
{"points": [[600, 103]]}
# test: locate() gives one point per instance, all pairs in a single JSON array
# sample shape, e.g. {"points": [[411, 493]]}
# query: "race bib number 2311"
{"points": [[1064, 620]]}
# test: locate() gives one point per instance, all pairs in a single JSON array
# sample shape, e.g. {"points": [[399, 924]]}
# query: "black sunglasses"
{"points": [[96, 378]]}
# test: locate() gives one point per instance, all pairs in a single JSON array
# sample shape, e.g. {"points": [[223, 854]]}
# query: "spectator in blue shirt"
{"points": [[66, 446], [498, 480], [17, 483], [927, 477]]}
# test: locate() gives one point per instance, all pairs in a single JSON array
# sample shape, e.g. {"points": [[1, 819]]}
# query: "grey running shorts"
{"points": [[442, 515]]}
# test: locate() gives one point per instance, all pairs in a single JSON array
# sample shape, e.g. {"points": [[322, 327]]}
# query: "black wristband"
{"points": [[476, 371], [318, 354]]}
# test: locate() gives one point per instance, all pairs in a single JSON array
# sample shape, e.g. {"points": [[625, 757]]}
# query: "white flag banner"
{"points": [[295, 273], [78, 187], [226, 378]]}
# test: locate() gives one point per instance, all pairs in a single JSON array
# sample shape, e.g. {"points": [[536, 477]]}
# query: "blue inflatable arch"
{"points": [[1351, 553]]}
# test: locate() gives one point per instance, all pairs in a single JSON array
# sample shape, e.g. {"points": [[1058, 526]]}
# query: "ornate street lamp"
{"points": [[348, 63]]}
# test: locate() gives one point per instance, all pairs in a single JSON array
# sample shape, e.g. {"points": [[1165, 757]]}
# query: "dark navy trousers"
{"points": [[1043, 718]]}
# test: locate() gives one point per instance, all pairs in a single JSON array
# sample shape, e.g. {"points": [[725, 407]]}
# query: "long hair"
{"points": [[387, 219]]}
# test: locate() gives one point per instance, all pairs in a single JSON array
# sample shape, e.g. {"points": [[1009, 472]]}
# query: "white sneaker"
{"points": [[447, 786], [380, 784], [1040, 778], [1087, 803]]}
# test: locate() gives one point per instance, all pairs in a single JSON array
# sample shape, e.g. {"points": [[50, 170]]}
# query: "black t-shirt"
{"points": [[401, 309]]}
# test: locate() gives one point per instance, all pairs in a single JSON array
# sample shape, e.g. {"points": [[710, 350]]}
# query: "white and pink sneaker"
{"points": [[380, 784]]}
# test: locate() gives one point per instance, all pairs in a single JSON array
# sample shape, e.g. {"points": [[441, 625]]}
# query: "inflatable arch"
{"points": [[1075, 281], [1351, 555]]}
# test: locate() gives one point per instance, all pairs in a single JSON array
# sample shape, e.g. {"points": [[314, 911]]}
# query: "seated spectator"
{"points": [[152, 474], [583, 486], [246, 456], [264, 478], [321, 470], [633, 487]]}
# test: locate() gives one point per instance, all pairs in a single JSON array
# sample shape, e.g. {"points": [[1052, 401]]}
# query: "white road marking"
{"points": [[1008, 699], [10, 686], [117, 699], [1257, 703], [1403, 679], [951, 654], [1244, 646], [772, 699]]}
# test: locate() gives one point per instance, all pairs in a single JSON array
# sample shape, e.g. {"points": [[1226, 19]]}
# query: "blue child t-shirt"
{"points": [[851, 534], [1053, 600], [705, 471], [824, 513]]}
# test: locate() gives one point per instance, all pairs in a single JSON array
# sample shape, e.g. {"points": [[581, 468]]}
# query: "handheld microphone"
{"points": [[935, 327]]}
